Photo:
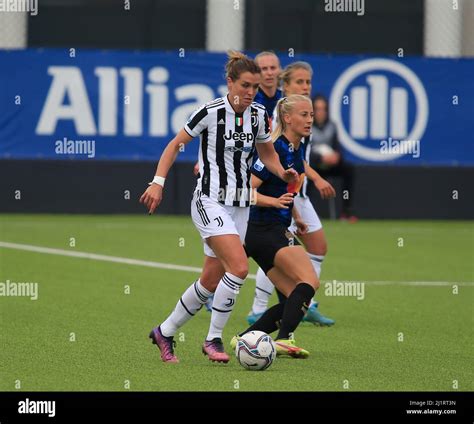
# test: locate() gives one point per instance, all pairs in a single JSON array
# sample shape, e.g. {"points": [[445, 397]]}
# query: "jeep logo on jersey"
{"points": [[378, 100], [242, 136]]}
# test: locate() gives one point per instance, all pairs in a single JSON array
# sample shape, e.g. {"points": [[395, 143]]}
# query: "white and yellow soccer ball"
{"points": [[255, 350]]}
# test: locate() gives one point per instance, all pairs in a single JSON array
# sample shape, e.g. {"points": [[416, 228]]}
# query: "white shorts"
{"points": [[308, 214], [211, 218]]}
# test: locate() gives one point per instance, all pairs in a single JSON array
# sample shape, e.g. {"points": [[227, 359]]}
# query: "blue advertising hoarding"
{"points": [[123, 105]]}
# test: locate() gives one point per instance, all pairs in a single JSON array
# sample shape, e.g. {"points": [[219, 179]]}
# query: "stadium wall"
{"points": [[381, 192]]}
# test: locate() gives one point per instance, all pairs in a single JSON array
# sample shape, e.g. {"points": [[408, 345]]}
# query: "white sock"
{"points": [[263, 291], [317, 261], [190, 302], [223, 303]]}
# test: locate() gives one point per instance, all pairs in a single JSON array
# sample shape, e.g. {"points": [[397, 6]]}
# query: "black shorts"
{"points": [[263, 241]]}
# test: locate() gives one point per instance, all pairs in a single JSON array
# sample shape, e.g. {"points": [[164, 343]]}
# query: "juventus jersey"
{"points": [[226, 148]]}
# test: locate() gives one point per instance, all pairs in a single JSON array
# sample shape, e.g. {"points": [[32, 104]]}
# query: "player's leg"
{"points": [[289, 267], [194, 297], [314, 240], [209, 218], [263, 291], [286, 315], [294, 262], [230, 252], [269, 321], [188, 305], [316, 246]]}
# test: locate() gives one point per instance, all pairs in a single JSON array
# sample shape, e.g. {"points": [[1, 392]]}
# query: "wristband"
{"points": [[158, 180]]}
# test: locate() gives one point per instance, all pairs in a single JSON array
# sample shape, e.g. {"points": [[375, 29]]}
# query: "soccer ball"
{"points": [[255, 350]]}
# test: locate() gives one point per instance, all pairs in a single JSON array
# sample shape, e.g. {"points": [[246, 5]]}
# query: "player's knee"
{"points": [[313, 281], [310, 278], [209, 283], [240, 270], [321, 248]]}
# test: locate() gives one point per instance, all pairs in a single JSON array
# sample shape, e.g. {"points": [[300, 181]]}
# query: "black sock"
{"points": [[269, 321], [281, 297], [295, 308]]}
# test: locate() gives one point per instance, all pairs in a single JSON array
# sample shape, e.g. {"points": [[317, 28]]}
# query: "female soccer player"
{"points": [[231, 128], [296, 79], [268, 93], [268, 241]]}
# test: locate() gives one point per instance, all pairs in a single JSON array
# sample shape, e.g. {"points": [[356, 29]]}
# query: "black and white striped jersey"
{"points": [[306, 152], [226, 148]]}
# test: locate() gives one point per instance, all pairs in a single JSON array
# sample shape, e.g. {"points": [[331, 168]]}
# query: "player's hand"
{"points": [[302, 227], [290, 176], [284, 201], [325, 189], [196, 169], [152, 197]]}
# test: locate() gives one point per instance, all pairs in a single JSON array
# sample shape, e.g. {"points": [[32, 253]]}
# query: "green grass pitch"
{"points": [[85, 332]]}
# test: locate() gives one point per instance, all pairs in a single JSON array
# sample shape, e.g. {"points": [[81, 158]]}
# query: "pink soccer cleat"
{"points": [[165, 344], [214, 349]]}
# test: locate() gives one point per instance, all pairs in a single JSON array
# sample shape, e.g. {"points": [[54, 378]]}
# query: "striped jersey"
{"points": [[226, 148]]}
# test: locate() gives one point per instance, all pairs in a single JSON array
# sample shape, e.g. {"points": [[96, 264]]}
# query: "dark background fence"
{"points": [[115, 187]]}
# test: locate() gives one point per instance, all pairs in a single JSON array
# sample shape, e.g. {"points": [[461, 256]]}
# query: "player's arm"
{"points": [[152, 196], [325, 188], [269, 157], [263, 201]]}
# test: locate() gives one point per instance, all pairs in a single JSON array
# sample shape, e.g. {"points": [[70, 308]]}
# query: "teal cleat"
{"points": [[315, 317], [253, 318]]}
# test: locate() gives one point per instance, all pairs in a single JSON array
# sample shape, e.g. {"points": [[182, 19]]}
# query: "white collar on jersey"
{"points": [[228, 106]]}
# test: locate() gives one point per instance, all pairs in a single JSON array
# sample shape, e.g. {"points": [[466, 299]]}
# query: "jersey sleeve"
{"points": [[197, 122], [264, 132], [258, 169]]}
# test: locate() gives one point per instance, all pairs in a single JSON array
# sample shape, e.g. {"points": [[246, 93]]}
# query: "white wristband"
{"points": [[158, 180]]}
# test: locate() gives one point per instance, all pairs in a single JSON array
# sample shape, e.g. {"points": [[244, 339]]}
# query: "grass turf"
{"points": [[111, 351]]}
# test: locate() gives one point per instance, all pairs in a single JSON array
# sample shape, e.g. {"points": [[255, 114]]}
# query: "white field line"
{"points": [[161, 265]]}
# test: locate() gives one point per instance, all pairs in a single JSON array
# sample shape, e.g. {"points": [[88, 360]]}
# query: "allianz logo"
{"points": [[379, 109]]}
